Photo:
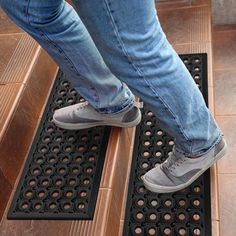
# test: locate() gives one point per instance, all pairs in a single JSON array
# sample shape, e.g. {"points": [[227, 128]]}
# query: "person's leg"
{"points": [[133, 45], [59, 30]]}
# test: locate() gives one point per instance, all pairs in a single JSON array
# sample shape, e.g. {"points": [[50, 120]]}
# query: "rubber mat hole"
{"points": [[168, 203], [197, 189], [73, 92], [145, 165], [154, 203], [49, 129], [196, 202], [53, 206], [45, 182], [138, 230], [84, 138], [62, 170], [148, 122], [39, 160], [78, 159], [81, 99], [140, 202], [141, 189], [72, 182], [182, 202], [159, 132], [46, 139], [167, 217], [181, 216], [70, 100], [68, 148], [158, 154], [147, 143], [152, 216], [55, 149], [71, 138], [146, 154], [32, 182], [197, 231], [196, 68], [196, 60], [94, 147], [83, 194], [59, 101], [86, 181], [148, 133], [171, 142], [36, 171], [43, 149], [41, 194], [58, 139], [182, 232], [167, 231], [157, 164], [62, 92], [29, 194], [81, 148], [65, 159], [196, 77], [38, 206], [67, 206], [196, 217], [139, 216], [152, 231], [96, 137], [55, 194], [81, 205], [89, 170], [75, 170], [91, 158], [159, 143], [24, 206], [186, 61], [69, 194], [48, 171], [150, 113], [59, 182], [51, 160]]}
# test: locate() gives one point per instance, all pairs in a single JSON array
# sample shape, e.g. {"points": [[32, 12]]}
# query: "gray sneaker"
{"points": [[178, 171], [83, 116]]}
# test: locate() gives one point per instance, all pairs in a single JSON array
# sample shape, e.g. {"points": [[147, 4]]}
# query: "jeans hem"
{"points": [[201, 153], [117, 109]]}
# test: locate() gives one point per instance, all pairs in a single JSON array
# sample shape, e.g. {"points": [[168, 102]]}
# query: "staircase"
{"points": [[26, 77]]}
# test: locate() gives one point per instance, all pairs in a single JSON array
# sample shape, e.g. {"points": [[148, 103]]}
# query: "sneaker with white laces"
{"points": [[179, 171], [83, 116]]}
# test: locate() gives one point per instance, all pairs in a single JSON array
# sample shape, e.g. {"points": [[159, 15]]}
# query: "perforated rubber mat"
{"points": [[62, 174], [183, 213]]}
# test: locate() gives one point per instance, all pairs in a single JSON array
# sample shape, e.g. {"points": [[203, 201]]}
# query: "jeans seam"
{"points": [[116, 31], [59, 49]]}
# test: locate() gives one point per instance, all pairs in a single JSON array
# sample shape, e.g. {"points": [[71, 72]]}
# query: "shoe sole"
{"points": [[161, 189], [79, 126]]}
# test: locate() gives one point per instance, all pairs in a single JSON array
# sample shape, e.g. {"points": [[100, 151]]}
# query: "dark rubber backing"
{"points": [[183, 213], [62, 174]]}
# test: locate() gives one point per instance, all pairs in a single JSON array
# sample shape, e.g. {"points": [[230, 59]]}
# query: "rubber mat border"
{"points": [[12, 214], [206, 175]]}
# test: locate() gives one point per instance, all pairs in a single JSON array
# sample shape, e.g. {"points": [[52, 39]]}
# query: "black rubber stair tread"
{"points": [[187, 212], [62, 174]]}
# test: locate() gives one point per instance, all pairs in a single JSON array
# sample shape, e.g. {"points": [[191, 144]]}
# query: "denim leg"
{"points": [[131, 41], [59, 30]]}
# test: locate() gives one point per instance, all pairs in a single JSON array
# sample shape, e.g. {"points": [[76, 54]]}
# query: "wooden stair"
{"points": [[25, 83]]}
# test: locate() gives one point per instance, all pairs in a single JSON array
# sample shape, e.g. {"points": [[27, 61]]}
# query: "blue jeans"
{"points": [[112, 42]]}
